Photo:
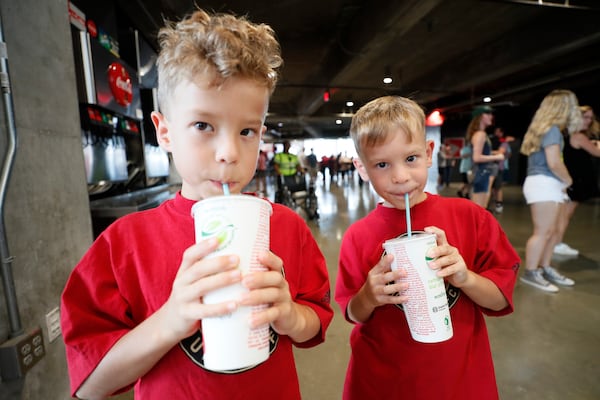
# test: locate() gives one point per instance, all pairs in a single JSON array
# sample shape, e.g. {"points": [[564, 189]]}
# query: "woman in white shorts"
{"points": [[543, 188], [546, 183]]}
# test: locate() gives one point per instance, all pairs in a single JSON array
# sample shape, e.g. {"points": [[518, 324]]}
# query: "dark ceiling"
{"points": [[446, 55]]}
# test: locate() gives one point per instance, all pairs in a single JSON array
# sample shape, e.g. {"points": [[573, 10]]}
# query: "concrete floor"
{"points": [[549, 348]]}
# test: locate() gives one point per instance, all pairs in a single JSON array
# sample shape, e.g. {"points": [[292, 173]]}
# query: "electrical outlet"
{"points": [[53, 324], [19, 354]]}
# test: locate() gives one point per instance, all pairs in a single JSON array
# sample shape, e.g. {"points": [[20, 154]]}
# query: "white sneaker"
{"points": [[499, 208], [564, 249]]}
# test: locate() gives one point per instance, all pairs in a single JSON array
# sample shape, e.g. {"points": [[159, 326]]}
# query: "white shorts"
{"points": [[542, 188]]}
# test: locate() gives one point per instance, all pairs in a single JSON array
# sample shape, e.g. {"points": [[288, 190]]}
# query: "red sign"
{"points": [[120, 84], [76, 17], [455, 145], [91, 27]]}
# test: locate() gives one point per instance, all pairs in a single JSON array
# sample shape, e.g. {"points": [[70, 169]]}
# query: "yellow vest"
{"points": [[287, 163]]}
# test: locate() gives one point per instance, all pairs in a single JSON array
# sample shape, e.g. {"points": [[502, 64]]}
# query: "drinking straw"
{"points": [[226, 189], [407, 206]]}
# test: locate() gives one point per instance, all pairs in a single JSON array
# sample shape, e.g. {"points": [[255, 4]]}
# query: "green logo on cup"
{"points": [[220, 228]]}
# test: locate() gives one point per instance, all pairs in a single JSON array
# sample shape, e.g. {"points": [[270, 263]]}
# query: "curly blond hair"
{"points": [[561, 108], [375, 121], [217, 46]]}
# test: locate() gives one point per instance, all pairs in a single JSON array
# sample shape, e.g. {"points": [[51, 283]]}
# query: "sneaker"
{"points": [[499, 208], [535, 279], [553, 275], [564, 249]]}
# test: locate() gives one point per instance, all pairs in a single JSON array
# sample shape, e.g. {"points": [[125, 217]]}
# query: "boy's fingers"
{"points": [[440, 235], [198, 251], [218, 280], [215, 310], [271, 261]]}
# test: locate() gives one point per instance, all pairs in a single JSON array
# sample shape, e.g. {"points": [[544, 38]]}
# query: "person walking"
{"points": [[312, 165], [546, 184], [501, 145], [484, 162], [261, 172], [465, 168], [445, 164]]}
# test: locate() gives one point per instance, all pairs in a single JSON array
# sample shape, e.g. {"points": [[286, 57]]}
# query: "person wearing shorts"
{"points": [[485, 165], [545, 187]]}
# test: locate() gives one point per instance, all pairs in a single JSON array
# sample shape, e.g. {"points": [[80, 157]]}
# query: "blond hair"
{"points": [[594, 128], [218, 46], [375, 121], [560, 108]]}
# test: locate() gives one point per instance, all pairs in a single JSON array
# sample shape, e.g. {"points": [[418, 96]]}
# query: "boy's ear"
{"points": [[361, 169], [162, 130], [429, 145]]}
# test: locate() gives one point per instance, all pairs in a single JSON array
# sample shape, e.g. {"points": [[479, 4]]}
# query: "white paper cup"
{"points": [[426, 310], [241, 223]]}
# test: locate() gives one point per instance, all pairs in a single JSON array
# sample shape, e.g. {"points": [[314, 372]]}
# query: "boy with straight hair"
{"points": [[132, 308], [473, 256]]}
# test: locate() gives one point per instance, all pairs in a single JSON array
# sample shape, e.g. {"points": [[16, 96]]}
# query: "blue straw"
{"points": [[226, 189], [407, 206]]}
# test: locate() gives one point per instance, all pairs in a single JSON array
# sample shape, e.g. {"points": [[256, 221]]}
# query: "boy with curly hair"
{"points": [[132, 307]]}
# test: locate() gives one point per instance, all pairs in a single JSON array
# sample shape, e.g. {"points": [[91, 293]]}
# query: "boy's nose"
{"points": [[227, 150], [400, 175]]}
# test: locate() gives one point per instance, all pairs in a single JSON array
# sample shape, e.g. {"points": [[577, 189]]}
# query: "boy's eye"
{"points": [[248, 132], [411, 159], [202, 126], [381, 164]]}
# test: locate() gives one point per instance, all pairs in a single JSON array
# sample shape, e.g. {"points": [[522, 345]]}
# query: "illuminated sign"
{"points": [[120, 84]]}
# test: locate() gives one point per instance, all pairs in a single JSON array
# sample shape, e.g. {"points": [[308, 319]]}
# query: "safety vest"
{"points": [[287, 163]]}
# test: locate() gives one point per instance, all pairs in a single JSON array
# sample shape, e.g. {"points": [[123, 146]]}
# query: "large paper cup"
{"points": [[426, 310], [241, 223]]}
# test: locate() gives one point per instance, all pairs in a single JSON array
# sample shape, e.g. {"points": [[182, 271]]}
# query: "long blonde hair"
{"points": [[561, 108]]}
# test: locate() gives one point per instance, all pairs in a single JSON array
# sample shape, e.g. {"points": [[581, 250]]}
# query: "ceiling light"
{"points": [[387, 76], [338, 121], [349, 103], [487, 99]]}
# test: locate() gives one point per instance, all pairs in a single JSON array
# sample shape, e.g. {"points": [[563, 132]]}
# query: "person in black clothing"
{"points": [[578, 154]]}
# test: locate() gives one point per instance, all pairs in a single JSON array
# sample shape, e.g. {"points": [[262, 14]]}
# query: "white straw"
{"points": [[407, 206], [226, 189]]}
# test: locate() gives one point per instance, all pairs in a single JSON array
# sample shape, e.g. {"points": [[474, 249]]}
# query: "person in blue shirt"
{"points": [[545, 187]]}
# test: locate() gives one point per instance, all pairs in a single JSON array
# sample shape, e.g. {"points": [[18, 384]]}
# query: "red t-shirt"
{"points": [[127, 275], [385, 361]]}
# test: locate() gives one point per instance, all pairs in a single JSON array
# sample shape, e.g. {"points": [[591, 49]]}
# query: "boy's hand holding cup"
{"points": [[241, 225]]}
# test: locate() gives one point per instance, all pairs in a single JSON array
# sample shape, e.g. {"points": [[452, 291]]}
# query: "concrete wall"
{"points": [[47, 210]]}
